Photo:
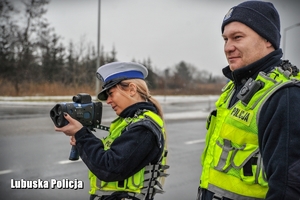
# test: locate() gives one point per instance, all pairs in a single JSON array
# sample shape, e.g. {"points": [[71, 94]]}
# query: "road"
{"points": [[32, 151]]}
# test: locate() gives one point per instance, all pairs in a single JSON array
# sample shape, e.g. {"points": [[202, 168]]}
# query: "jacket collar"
{"points": [[131, 110]]}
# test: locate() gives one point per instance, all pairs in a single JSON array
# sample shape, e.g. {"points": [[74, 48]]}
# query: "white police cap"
{"points": [[113, 73]]}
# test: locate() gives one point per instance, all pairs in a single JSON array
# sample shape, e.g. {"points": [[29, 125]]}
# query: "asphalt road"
{"points": [[32, 151]]}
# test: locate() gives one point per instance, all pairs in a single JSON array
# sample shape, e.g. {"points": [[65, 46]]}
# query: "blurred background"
{"points": [[53, 47]]}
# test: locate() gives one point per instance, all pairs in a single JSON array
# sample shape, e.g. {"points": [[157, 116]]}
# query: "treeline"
{"points": [[32, 54]]}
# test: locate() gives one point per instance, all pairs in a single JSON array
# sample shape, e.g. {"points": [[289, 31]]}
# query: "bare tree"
{"points": [[18, 41]]}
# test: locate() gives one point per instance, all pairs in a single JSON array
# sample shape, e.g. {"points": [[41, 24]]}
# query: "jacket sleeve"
{"points": [[128, 154], [279, 140]]}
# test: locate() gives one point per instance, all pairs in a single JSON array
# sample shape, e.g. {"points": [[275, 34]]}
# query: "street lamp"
{"points": [[98, 48], [284, 36]]}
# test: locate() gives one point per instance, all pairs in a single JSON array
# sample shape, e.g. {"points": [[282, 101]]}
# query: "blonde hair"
{"points": [[143, 91]]}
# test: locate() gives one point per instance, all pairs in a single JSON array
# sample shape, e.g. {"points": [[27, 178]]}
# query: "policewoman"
{"points": [[130, 162], [252, 143]]}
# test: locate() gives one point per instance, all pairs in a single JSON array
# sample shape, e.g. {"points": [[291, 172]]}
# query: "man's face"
{"points": [[243, 46]]}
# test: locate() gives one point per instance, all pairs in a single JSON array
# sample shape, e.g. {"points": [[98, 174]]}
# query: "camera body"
{"points": [[82, 108]]}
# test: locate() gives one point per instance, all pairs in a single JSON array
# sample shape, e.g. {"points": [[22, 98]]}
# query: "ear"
{"points": [[132, 89], [268, 44]]}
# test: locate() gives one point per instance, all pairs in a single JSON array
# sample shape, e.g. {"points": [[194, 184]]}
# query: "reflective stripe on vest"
{"points": [[232, 164]]}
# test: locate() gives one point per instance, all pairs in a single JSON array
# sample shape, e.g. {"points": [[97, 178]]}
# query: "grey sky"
{"points": [[167, 31]]}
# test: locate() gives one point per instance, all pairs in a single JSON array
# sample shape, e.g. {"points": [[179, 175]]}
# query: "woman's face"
{"points": [[119, 100]]}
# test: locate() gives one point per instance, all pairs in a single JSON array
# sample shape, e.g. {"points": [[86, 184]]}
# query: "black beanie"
{"points": [[262, 17]]}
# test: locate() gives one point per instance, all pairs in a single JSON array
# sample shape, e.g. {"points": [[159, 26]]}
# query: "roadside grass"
{"points": [[57, 89]]}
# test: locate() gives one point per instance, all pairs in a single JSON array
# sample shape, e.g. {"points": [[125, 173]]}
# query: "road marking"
{"points": [[195, 141], [63, 162], [5, 172]]}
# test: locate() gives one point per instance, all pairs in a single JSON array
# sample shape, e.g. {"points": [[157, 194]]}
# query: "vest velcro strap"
{"points": [[140, 196], [164, 167], [149, 168], [147, 182], [152, 183], [154, 191], [153, 188], [162, 174], [154, 171], [147, 176], [158, 184], [226, 148], [152, 167], [144, 190], [155, 174]]}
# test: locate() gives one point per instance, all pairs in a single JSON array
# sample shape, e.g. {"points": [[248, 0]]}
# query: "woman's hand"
{"points": [[71, 128], [72, 141]]}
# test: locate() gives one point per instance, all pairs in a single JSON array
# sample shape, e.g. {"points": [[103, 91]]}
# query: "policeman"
{"points": [[252, 144]]}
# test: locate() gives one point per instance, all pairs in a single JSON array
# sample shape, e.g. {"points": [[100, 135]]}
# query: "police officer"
{"points": [[252, 144], [130, 162]]}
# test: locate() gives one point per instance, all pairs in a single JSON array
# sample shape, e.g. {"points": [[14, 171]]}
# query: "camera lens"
{"points": [[76, 99], [52, 113], [59, 109], [59, 121]]}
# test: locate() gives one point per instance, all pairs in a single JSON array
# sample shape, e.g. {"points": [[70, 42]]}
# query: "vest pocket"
{"points": [[243, 161], [136, 181], [249, 163], [116, 185]]}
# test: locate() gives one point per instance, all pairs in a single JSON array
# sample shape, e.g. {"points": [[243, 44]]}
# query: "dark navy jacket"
{"points": [[129, 153], [278, 130]]}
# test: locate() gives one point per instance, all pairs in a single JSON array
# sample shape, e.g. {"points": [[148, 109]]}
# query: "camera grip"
{"points": [[74, 154]]}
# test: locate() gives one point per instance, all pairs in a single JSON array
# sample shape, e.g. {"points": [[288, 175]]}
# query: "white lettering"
{"points": [[40, 184], [29, 184], [67, 184]]}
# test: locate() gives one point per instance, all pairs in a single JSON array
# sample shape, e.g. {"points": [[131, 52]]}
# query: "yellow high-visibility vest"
{"points": [[231, 162], [143, 182]]}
